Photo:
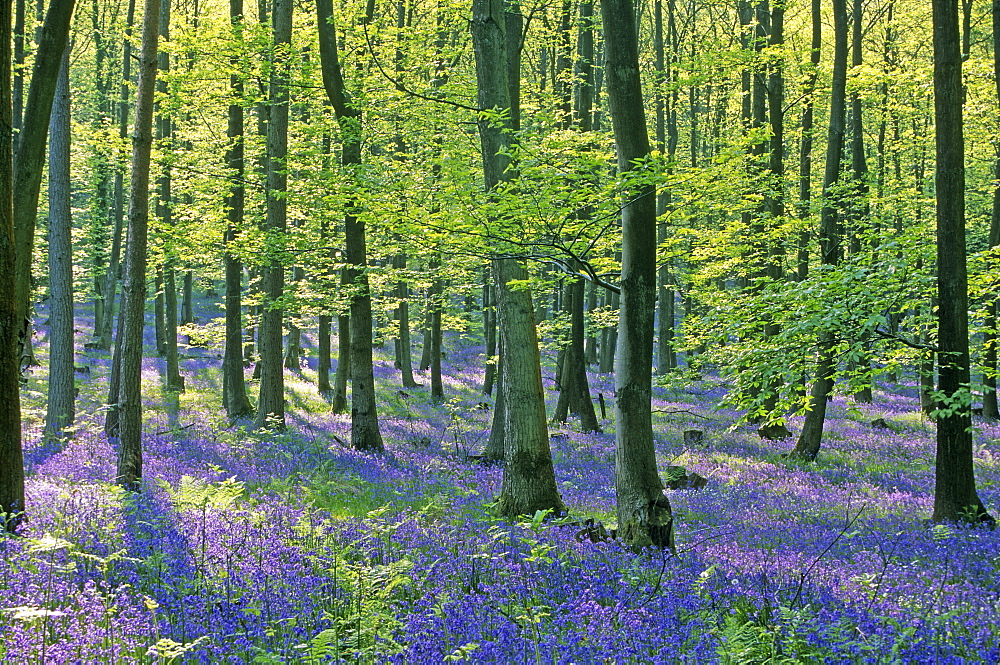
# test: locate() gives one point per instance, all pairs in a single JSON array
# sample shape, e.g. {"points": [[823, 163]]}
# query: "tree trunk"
{"points": [[436, 304], [494, 451], [61, 408], [861, 210], [811, 437], [490, 335], [365, 433], [990, 336], [129, 468], [30, 154], [644, 514], [338, 402], [955, 496], [11, 319], [164, 210], [110, 285], [403, 344], [234, 388], [187, 311], [271, 405], [529, 479], [805, 149]]}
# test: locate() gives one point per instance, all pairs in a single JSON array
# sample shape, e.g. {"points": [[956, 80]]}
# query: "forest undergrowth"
{"points": [[248, 546]]}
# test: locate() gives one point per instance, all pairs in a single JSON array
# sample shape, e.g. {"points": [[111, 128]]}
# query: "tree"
{"points": [[11, 457], [808, 444], [955, 496], [60, 408], [529, 478], [29, 157], [990, 336], [365, 433], [164, 210], [644, 515], [131, 321], [234, 390], [271, 405]]}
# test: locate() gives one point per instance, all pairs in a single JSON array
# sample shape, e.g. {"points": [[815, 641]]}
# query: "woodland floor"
{"points": [[251, 547]]}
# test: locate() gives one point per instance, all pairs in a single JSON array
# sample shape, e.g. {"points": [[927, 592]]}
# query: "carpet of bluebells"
{"points": [[248, 546]]}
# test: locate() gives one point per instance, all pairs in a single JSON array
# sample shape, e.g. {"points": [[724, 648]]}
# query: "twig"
{"points": [[688, 411], [174, 429]]}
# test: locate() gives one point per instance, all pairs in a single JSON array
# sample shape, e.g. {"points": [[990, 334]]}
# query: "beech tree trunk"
{"points": [[805, 148], [811, 437], [436, 304], [990, 336], [128, 473], [11, 456], [29, 157], [404, 356], [271, 405], [234, 389], [110, 285], [61, 406], [955, 496], [164, 210], [644, 514], [365, 433], [529, 478]]}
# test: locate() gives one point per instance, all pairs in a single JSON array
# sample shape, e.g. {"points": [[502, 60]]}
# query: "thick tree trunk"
{"points": [[271, 405], [11, 456], [811, 437], [644, 515], [955, 496], [234, 389], [529, 479], [30, 154], [129, 468], [61, 407]]}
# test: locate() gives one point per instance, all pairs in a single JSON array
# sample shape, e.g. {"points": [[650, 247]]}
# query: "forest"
{"points": [[411, 331]]}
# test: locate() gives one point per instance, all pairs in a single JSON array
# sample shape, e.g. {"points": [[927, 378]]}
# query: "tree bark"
{"points": [[110, 285], [990, 336], [271, 405], [811, 437], [529, 478], [234, 389], [436, 304], [365, 433], [129, 468], [806, 146], [955, 496], [11, 455], [164, 210], [61, 408], [404, 355], [644, 514], [30, 154]]}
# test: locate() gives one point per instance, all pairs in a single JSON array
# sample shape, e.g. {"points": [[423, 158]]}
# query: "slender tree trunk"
{"points": [[187, 309], [811, 437], [805, 149], [30, 154], [990, 335], [129, 468], [338, 402], [403, 344], [490, 333], [665, 357], [271, 405], [11, 456], [436, 304], [644, 514], [861, 210], [494, 452], [110, 285], [955, 496], [234, 389], [164, 210], [365, 433], [61, 407], [529, 478]]}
